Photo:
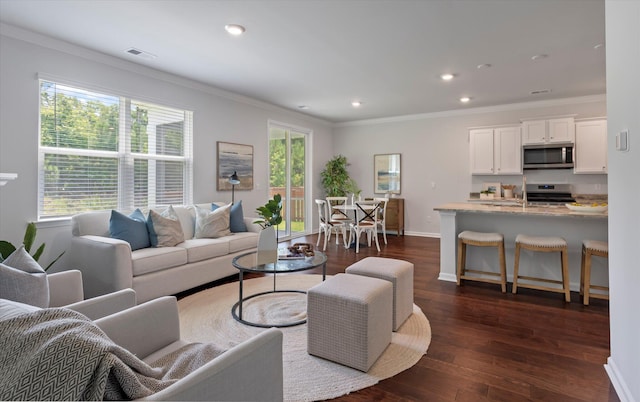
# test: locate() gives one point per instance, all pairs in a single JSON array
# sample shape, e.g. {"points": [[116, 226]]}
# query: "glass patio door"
{"points": [[287, 176]]}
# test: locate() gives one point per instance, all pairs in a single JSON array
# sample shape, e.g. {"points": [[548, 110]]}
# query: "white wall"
{"points": [[435, 152], [218, 116], [623, 87]]}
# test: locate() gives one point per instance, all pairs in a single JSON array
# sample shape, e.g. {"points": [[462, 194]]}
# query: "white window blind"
{"points": [[100, 152]]}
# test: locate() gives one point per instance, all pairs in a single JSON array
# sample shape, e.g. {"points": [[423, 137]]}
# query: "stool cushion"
{"points": [[541, 241], [399, 273], [480, 236], [596, 245], [349, 319]]}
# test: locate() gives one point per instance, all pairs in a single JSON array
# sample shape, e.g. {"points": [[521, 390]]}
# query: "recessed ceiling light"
{"points": [[465, 99], [356, 103], [447, 77], [540, 91], [234, 29], [539, 56], [481, 66], [140, 53]]}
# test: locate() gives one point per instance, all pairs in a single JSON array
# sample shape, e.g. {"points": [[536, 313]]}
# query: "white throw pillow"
{"points": [[212, 224], [23, 280], [165, 229]]}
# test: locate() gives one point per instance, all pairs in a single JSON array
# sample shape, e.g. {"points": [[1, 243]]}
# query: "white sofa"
{"points": [[109, 265]]}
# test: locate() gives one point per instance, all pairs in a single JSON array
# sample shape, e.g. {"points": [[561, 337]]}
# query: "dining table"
{"points": [[350, 213]]}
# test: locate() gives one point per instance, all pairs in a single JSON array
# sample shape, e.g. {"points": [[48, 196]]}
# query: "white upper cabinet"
{"points": [[548, 131], [495, 150], [508, 150], [591, 147], [481, 151]]}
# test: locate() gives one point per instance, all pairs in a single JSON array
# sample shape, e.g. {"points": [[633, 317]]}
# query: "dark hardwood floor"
{"points": [[490, 346]]}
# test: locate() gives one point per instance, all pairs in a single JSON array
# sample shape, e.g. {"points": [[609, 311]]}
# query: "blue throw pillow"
{"points": [[236, 221], [132, 229]]}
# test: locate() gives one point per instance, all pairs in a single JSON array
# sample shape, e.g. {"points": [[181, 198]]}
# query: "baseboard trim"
{"points": [[447, 277], [623, 391], [421, 234]]}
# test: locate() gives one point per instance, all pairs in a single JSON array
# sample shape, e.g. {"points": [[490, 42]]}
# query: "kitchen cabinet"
{"points": [[548, 131], [495, 150], [395, 215], [591, 147]]}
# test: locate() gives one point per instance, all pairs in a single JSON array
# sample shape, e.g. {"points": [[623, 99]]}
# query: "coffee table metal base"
{"points": [[235, 307]]}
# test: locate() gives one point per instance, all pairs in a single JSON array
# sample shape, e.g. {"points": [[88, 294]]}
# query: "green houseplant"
{"points": [[6, 248], [270, 212], [335, 178]]}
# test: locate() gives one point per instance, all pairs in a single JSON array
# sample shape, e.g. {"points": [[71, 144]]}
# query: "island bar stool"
{"points": [[546, 245], [591, 248], [480, 239]]}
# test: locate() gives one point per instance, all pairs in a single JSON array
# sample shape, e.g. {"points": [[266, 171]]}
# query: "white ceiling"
{"points": [[324, 54]]}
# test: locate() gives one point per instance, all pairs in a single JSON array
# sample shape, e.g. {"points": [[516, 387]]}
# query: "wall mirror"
{"points": [[386, 173]]}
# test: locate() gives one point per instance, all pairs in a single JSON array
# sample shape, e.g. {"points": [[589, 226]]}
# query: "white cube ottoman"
{"points": [[349, 320], [399, 273]]}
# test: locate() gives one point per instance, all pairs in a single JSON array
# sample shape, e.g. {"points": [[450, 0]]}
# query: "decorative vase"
{"points": [[268, 245]]}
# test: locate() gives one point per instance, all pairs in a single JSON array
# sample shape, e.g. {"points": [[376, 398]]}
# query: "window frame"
{"points": [[123, 155]]}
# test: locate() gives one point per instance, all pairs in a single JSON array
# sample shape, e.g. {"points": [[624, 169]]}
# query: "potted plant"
{"points": [[336, 180], [6, 248], [271, 218], [487, 194]]}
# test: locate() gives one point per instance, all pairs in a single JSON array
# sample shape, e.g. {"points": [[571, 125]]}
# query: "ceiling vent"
{"points": [[140, 53], [540, 92]]}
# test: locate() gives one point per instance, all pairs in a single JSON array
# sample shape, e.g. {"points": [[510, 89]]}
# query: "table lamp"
{"points": [[233, 180]]}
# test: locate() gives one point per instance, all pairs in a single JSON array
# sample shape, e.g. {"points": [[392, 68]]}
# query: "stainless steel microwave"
{"points": [[548, 156]]}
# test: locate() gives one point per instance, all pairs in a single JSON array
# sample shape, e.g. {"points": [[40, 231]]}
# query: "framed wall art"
{"points": [[236, 158], [386, 173]]}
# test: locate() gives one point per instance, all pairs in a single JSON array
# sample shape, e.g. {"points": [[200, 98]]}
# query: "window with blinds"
{"points": [[101, 152]]}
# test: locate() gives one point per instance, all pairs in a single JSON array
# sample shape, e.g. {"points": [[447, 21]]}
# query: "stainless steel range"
{"points": [[549, 194]]}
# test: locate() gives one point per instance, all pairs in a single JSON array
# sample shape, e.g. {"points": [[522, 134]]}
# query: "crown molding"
{"points": [[113, 61], [478, 110]]}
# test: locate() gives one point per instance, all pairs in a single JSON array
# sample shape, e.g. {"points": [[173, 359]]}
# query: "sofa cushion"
{"points": [[236, 220], [242, 241], [132, 229], [147, 260], [23, 280], [164, 228], [212, 224], [203, 249]]}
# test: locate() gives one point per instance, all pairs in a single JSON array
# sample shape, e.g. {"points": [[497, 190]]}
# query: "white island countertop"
{"points": [[510, 221], [553, 210]]}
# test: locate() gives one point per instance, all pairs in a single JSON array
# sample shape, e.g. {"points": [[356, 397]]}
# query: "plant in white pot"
{"points": [[271, 214]]}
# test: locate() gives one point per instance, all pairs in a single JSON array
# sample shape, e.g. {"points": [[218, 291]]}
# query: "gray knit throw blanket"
{"points": [[59, 354]]}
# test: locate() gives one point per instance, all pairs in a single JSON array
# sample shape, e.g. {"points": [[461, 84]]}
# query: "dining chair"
{"points": [[382, 218], [329, 226], [337, 209], [366, 222]]}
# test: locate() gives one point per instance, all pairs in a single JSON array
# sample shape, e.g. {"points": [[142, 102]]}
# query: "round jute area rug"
{"points": [[206, 317]]}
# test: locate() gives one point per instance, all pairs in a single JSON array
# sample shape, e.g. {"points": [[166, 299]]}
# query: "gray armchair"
{"points": [[250, 371], [65, 290]]}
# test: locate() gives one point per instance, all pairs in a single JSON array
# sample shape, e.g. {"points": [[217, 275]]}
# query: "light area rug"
{"points": [[206, 317]]}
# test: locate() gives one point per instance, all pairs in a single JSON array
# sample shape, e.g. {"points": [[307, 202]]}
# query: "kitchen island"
{"points": [[512, 220]]}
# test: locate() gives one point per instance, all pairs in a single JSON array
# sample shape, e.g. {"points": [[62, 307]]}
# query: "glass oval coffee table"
{"points": [[259, 262]]}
